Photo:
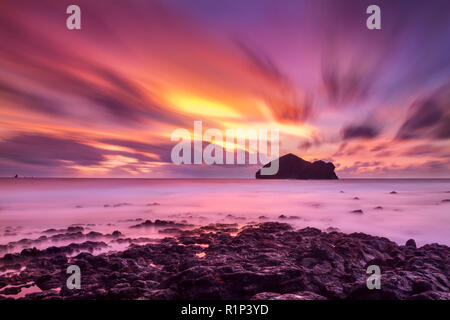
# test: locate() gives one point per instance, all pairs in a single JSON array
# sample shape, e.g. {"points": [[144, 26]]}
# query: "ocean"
{"points": [[416, 210]]}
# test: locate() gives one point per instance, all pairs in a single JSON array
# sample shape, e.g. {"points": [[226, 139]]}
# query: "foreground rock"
{"points": [[293, 167], [264, 261]]}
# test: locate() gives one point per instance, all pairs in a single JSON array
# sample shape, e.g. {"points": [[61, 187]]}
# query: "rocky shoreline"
{"points": [[269, 260]]}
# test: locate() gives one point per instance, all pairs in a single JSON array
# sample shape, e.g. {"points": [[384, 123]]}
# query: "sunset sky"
{"points": [[103, 101]]}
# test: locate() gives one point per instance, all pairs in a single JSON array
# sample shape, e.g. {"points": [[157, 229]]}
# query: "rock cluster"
{"points": [[264, 261]]}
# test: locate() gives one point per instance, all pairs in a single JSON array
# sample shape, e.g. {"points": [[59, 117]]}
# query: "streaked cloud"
{"points": [[359, 131], [103, 101]]}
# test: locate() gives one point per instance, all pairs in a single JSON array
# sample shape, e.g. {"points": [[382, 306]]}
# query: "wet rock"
{"points": [[11, 290], [146, 223], [431, 295], [50, 231], [262, 261], [116, 234], [361, 292], [421, 285], [199, 282], [159, 294], [47, 282], [303, 295], [218, 227], [411, 243], [33, 253], [271, 227], [288, 217], [157, 223], [94, 234], [310, 232], [322, 251], [75, 229], [67, 236]]}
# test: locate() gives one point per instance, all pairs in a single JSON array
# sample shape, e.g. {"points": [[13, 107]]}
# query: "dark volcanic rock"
{"points": [[288, 217], [34, 254], [47, 282], [264, 261], [75, 229], [11, 290], [158, 223], [411, 243], [303, 295], [293, 167]]}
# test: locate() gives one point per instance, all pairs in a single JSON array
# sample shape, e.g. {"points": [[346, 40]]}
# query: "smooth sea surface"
{"points": [[417, 210]]}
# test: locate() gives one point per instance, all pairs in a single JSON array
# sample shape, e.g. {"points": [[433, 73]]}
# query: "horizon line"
{"points": [[222, 178]]}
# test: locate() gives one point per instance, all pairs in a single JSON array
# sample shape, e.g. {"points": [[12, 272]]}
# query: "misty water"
{"points": [[417, 210]]}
